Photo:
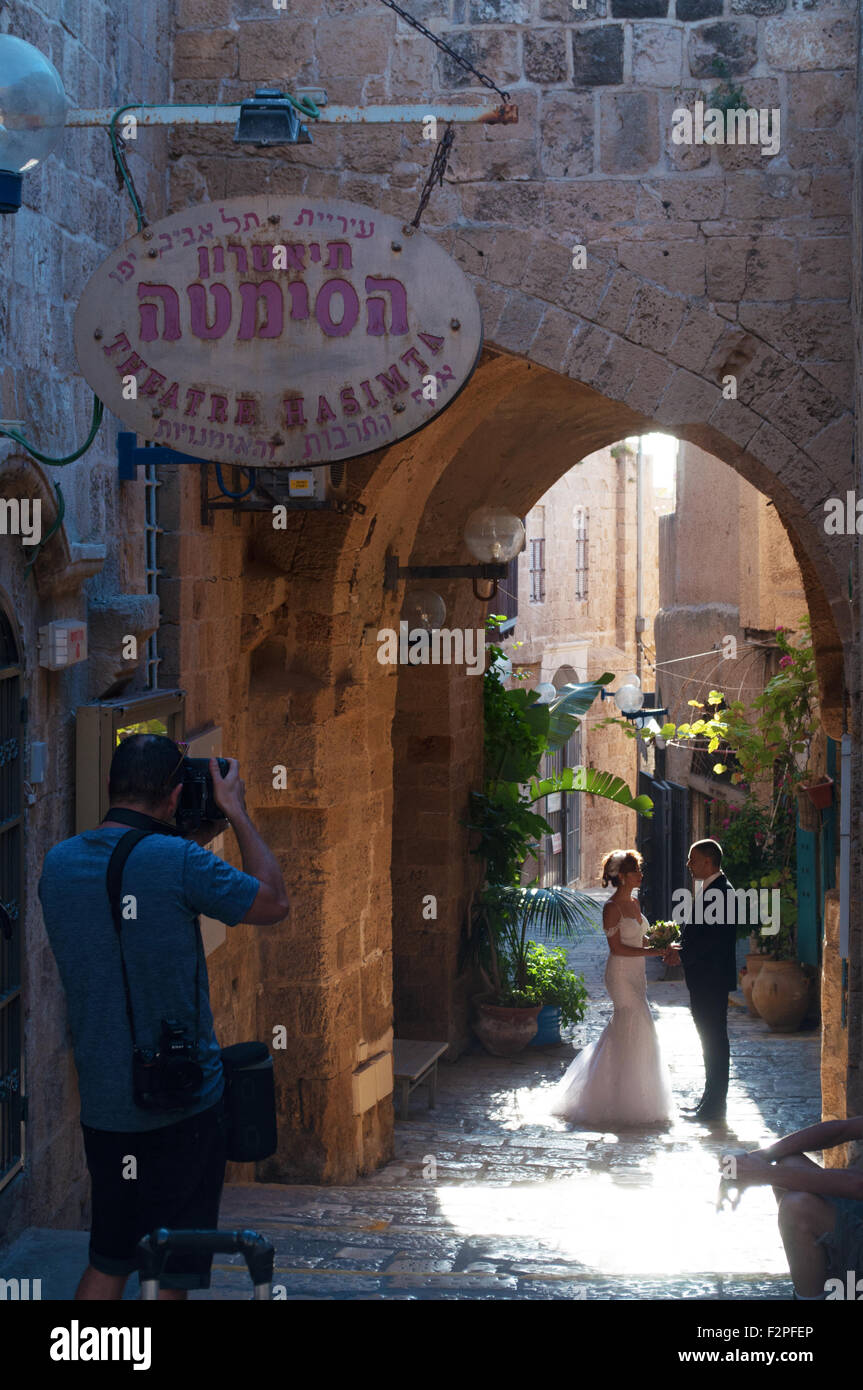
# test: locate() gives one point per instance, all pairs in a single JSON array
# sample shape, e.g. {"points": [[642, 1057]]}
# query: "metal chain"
{"points": [[445, 48], [437, 171]]}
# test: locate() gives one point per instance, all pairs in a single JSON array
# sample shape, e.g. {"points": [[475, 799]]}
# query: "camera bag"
{"points": [[250, 1102]]}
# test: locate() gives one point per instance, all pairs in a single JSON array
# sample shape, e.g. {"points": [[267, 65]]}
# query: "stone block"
{"points": [[639, 9], [518, 323], [205, 54], [629, 132], [593, 210], [819, 101], [657, 54], [566, 135], [616, 303], [735, 421], [633, 374], [809, 42], [688, 400], [545, 56], [824, 268], [550, 275], [673, 203], [494, 12], [758, 7], [691, 10], [355, 45], [552, 340], [655, 319], [597, 57], [728, 46], [492, 51], [587, 352], [204, 14], [565, 11], [676, 265], [696, 339], [802, 330]]}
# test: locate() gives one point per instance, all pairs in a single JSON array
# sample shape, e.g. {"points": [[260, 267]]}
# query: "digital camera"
{"points": [[197, 803], [167, 1077]]}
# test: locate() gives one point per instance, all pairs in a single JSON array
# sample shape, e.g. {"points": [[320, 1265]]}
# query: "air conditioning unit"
{"points": [[323, 486]]}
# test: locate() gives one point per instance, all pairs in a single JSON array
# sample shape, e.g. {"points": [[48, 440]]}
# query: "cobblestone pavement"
{"points": [[486, 1198]]}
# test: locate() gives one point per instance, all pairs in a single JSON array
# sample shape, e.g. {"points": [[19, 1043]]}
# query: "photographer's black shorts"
{"points": [[180, 1172]]}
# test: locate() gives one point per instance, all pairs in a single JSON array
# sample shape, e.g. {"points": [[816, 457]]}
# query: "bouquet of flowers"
{"points": [[661, 935]]}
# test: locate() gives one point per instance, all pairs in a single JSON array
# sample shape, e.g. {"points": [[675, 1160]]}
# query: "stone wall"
{"points": [[72, 214]]}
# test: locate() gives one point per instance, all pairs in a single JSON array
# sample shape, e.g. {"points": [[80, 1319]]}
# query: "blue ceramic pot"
{"points": [[548, 1026]]}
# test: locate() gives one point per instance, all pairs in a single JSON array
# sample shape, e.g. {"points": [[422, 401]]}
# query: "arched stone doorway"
{"points": [[383, 757], [537, 426]]}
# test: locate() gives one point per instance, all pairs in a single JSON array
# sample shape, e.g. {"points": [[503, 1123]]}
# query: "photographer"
{"points": [[150, 1165]]}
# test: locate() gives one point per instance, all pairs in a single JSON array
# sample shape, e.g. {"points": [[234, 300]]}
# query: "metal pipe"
{"points": [[845, 847], [484, 111]]}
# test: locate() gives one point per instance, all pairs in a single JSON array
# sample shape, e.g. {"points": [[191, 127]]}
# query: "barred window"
{"points": [[537, 571], [581, 554]]}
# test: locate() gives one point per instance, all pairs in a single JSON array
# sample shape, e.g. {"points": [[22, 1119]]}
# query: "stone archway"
{"points": [[382, 757], [537, 426]]}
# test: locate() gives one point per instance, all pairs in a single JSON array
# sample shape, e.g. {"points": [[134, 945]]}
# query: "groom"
{"points": [[707, 954]]}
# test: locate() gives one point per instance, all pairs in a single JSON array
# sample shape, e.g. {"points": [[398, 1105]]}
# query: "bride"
{"points": [[621, 1078]]}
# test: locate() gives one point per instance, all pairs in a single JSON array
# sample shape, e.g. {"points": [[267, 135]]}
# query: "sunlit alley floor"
{"points": [[487, 1198]]}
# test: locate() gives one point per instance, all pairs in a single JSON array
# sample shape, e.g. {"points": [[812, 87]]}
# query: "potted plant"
{"points": [[563, 993], [507, 1011], [820, 793]]}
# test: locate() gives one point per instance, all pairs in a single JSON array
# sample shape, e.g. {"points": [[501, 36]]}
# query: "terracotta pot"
{"points": [[780, 994], [820, 793], [754, 962], [504, 1032]]}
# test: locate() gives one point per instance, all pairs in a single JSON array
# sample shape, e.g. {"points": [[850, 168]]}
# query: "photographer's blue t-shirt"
{"points": [[172, 881]]}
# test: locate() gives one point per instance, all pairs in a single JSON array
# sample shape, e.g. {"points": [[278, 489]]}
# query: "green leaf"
{"points": [[569, 704], [668, 731]]}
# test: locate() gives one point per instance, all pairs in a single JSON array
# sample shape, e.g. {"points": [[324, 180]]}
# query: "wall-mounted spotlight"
{"points": [[271, 118], [33, 110], [491, 534]]}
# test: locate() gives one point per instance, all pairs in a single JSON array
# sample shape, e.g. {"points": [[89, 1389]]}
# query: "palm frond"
{"points": [[550, 912]]}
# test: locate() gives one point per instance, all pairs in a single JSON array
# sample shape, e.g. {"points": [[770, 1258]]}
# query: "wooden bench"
{"points": [[413, 1064]]}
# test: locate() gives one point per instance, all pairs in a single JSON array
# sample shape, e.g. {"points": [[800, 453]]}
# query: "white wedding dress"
{"points": [[620, 1079]]}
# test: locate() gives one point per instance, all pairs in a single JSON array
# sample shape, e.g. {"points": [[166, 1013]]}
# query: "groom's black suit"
{"points": [[707, 955]]}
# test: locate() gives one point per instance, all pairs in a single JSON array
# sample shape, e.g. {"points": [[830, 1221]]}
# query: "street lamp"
{"points": [[629, 699], [32, 114], [424, 608], [492, 535]]}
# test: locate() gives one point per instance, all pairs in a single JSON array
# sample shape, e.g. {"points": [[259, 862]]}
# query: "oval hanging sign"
{"points": [[277, 331]]}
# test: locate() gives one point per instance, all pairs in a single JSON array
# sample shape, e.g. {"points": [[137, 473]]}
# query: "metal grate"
{"points": [[10, 897], [537, 571], [581, 552]]}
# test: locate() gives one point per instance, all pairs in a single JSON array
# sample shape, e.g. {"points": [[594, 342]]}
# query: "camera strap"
{"points": [[114, 883]]}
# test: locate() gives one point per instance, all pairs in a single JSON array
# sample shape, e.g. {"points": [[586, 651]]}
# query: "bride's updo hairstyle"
{"points": [[618, 862]]}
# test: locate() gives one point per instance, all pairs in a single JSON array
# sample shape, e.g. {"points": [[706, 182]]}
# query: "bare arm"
{"points": [[821, 1136], [270, 904]]}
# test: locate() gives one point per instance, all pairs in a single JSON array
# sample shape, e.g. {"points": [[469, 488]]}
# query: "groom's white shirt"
{"points": [[702, 883]]}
